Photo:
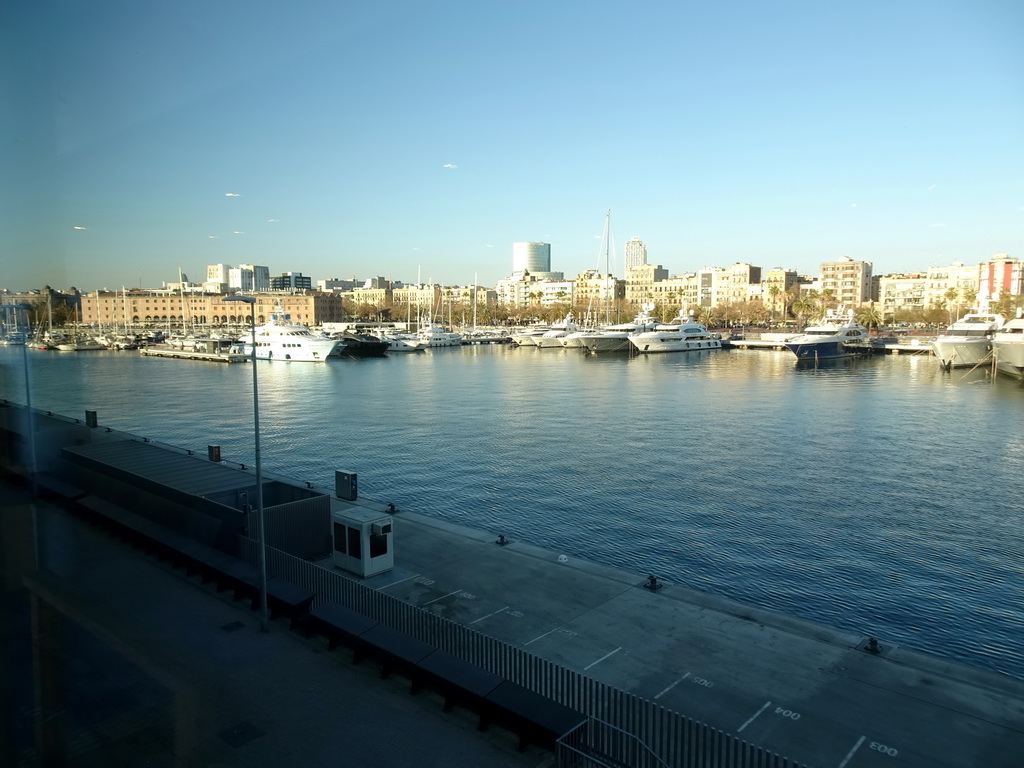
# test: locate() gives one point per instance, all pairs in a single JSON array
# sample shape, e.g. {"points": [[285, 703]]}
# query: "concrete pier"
{"points": [[820, 696]]}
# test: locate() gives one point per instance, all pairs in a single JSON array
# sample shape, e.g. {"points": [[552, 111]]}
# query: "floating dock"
{"points": [[880, 345], [185, 354]]}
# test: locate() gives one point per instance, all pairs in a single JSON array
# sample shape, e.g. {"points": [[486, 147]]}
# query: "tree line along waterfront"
{"points": [[740, 295]]}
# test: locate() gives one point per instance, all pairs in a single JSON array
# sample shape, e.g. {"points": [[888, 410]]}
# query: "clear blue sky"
{"points": [[343, 140]]}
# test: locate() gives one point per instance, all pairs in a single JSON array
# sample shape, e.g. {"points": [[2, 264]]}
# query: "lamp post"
{"points": [[264, 616], [29, 416]]}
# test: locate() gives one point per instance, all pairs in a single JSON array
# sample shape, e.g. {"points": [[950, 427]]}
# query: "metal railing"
{"points": [[626, 730]]}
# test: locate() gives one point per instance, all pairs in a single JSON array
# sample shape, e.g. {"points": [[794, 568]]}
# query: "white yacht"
{"points": [[430, 335], [399, 342], [527, 337], [615, 338], [1008, 347], [832, 337], [553, 338], [681, 335], [281, 339], [968, 341]]}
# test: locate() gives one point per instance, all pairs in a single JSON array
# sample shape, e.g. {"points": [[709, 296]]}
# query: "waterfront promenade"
{"points": [[149, 667], [797, 688]]}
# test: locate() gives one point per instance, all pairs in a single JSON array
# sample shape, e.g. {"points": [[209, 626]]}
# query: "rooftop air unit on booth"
{"points": [[362, 541]]}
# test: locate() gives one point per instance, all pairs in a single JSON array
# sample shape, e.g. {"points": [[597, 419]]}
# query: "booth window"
{"points": [[339, 538], [378, 544], [354, 547]]}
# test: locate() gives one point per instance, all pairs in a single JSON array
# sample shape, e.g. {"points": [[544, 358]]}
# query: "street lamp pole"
{"points": [[29, 415], [264, 613]]}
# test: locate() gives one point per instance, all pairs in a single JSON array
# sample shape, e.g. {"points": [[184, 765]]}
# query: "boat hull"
{"points": [[655, 345], [824, 350], [610, 342], [299, 354], [953, 352], [1009, 358]]}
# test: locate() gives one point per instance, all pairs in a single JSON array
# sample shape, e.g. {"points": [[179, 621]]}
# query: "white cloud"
{"points": [[450, 165], [488, 246], [933, 186], [213, 237], [79, 227], [937, 225], [271, 220], [853, 205], [236, 232], [231, 194]]}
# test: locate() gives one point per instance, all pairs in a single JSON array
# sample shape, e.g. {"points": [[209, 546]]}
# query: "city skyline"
{"points": [[427, 139]]}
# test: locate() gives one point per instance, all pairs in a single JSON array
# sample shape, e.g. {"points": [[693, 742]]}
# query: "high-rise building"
{"points": [[531, 257], [1000, 274], [640, 283], [291, 281], [636, 253], [847, 280], [217, 273], [240, 279], [260, 276], [777, 291]]}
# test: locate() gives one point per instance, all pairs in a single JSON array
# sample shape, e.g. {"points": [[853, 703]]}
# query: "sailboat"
{"points": [[609, 337]]}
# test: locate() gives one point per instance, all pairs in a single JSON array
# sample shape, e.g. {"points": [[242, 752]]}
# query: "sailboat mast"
{"points": [[607, 266]]}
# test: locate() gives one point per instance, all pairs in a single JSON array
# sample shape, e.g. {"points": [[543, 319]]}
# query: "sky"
{"points": [[413, 139]]}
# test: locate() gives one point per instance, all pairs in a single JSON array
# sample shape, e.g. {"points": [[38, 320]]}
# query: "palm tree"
{"points": [[869, 317], [773, 292], [951, 295], [803, 307]]}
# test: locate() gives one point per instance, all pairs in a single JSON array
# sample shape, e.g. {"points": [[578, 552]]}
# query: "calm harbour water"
{"points": [[878, 495]]}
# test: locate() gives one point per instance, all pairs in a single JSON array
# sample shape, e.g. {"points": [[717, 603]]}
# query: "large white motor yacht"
{"points": [[1008, 347], [833, 337], [553, 338], [430, 335], [968, 341], [615, 338], [281, 339], [684, 334]]}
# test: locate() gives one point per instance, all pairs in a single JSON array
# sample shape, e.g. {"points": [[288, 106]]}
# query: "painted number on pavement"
{"points": [[890, 751]]}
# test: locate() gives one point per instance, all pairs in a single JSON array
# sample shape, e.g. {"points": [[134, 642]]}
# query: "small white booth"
{"points": [[362, 541]]}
